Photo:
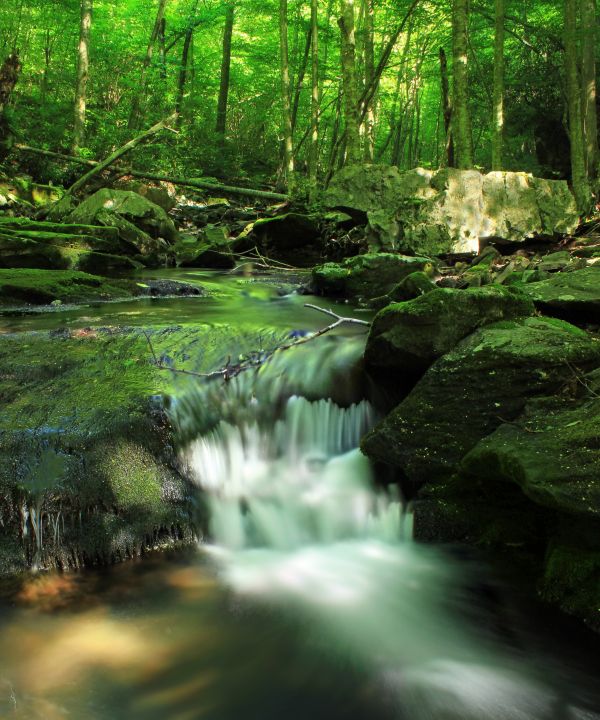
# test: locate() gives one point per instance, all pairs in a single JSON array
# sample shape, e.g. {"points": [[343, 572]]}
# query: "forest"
{"points": [[299, 360], [267, 91]]}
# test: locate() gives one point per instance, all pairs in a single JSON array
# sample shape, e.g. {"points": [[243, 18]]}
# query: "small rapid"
{"points": [[297, 523]]}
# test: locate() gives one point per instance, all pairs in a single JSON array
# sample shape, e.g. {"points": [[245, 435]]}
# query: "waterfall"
{"points": [[297, 523]]}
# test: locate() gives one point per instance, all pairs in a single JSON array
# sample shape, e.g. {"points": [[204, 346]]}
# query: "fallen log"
{"points": [[197, 183], [111, 159]]}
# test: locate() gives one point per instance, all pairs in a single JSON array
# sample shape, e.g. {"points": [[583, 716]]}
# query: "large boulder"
{"points": [[409, 336], [366, 276], [451, 211], [292, 237], [574, 296], [139, 221], [480, 384]]}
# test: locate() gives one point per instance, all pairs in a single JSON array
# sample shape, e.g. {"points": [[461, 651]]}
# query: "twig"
{"points": [[577, 376], [230, 371]]}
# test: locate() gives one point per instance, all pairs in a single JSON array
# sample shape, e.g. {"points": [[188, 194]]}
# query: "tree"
{"points": [[461, 118], [498, 91], [225, 72], [135, 115], [286, 106], [348, 57], [83, 69], [313, 164], [579, 179], [369, 110], [588, 85]]}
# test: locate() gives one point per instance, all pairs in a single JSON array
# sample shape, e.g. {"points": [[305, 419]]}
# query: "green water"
{"points": [[268, 302]]}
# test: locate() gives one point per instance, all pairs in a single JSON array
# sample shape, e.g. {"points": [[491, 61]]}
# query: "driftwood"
{"points": [[198, 184], [111, 159], [254, 360]]}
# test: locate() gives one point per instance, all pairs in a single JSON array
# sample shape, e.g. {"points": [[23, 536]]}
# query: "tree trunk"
{"points": [[461, 119], [183, 72], [348, 54], [83, 69], [162, 49], [288, 144], [313, 159], [300, 80], [221, 125], [446, 108], [9, 74], [588, 84], [579, 178], [369, 123], [135, 115], [498, 92]]}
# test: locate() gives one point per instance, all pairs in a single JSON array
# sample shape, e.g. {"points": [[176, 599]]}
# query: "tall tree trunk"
{"points": [[369, 43], [588, 85], [9, 74], [498, 92], [300, 79], [447, 108], [83, 71], [221, 125], [162, 48], [581, 187], [288, 143], [136, 113], [348, 50], [313, 158], [183, 72], [461, 119]]}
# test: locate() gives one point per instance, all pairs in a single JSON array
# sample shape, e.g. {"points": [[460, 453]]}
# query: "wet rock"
{"points": [[366, 276], [466, 394], [409, 336], [207, 257], [168, 288], [574, 296]]}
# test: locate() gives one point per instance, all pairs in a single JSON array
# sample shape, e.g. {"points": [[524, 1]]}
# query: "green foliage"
{"points": [[409, 125]]}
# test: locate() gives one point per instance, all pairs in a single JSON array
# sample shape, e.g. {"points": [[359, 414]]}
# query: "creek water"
{"points": [[308, 598]]}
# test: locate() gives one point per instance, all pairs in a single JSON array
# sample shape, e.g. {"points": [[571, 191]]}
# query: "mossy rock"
{"points": [[41, 287], [466, 394], [409, 336], [573, 296], [552, 453], [366, 276], [107, 264]]}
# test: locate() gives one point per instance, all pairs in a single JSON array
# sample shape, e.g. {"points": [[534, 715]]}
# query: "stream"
{"points": [[309, 598]]}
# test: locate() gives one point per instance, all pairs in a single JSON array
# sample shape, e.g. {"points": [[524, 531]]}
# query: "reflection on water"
{"points": [[245, 301]]}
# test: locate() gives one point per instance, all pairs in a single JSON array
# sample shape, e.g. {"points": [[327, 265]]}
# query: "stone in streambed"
{"points": [[573, 295], [409, 336], [366, 276], [468, 392]]}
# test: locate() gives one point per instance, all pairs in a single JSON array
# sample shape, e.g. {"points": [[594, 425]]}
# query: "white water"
{"points": [[297, 524]]}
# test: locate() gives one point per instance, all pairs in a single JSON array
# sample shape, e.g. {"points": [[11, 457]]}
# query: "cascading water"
{"points": [[295, 522]]}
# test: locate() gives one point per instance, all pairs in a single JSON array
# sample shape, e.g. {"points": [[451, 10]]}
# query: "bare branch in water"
{"points": [[230, 371]]}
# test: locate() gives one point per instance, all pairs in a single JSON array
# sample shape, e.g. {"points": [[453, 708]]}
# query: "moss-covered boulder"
{"points": [[88, 468], [573, 296], [466, 394], [41, 287], [366, 276], [409, 336], [139, 221]]}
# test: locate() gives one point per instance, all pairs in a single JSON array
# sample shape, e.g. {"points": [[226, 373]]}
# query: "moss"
{"points": [[38, 287], [572, 580], [367, 276]]}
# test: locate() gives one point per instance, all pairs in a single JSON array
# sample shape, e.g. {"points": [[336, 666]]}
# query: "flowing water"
{"points": [[308, 600]]}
